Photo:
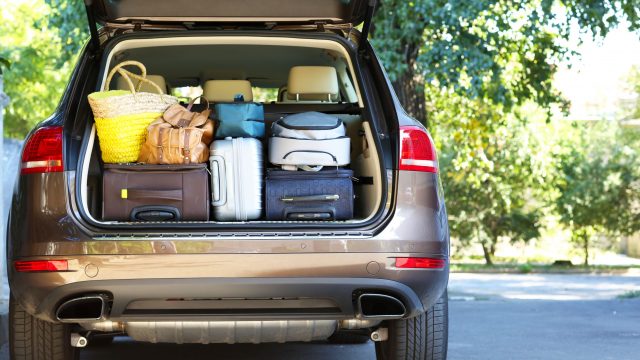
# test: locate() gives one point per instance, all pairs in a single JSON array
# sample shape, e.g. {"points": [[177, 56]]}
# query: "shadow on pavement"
{"points": [[126, 349]]}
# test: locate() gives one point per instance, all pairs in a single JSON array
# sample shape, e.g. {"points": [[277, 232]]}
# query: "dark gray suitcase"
{"points": [[309, 195]]}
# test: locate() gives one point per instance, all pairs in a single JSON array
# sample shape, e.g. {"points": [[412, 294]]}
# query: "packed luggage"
{"points": [[240, 119], [179, 136], [122, 116], [309, 141], [306, 195], [306, 179], [137, 192], [236, 179]]}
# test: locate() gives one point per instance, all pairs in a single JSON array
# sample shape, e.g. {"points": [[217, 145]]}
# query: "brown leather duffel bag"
{"points": [[178, 137]]}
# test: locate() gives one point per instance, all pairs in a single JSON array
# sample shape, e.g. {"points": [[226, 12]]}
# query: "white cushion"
{"points": [[158, 79], [313, 83], [226, 90]]}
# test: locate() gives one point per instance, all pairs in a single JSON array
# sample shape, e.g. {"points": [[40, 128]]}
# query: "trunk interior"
{"points": [[186, 65]]}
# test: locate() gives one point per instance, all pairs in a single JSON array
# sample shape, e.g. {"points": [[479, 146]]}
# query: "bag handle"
{"points": [[335, 160], [218, 181], [127, 75], [192, 101], [155, 213]]}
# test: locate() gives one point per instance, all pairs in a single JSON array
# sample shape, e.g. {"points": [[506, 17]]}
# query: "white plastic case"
{"points": [[296, 152], [236, 179]]}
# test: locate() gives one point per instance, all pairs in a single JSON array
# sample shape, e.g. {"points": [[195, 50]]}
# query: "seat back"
{"points": [[226, 90], [312, 83]]}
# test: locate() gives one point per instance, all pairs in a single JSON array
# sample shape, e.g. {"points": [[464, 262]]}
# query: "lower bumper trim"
{"points": [[243, 298]]}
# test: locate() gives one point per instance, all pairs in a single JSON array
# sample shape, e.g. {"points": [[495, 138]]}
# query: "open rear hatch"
{"points": [[229, 11], [199, 14]]}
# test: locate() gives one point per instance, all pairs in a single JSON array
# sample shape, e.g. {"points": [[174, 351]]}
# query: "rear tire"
{"points": [[34, 339], [424, 337]]}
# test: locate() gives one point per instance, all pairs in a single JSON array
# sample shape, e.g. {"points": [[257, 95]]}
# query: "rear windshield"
{"points": [[266, 67]]}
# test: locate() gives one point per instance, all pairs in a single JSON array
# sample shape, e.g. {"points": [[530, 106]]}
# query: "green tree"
{"points": [[502, 51], [631, 109], [41, 42], [69, 19], [599, 186], [494, 174]]}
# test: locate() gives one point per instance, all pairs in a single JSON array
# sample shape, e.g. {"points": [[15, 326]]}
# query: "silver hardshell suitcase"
{"points": [[236, 179]]}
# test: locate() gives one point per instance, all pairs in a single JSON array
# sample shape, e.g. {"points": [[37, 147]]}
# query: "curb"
{"points": [[622, 272]]}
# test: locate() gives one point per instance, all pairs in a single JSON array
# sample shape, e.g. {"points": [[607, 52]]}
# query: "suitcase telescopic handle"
{"points": [[291, 199], [218, 181]]}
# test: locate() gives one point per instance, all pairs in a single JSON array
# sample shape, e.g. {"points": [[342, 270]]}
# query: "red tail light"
{"points": [[417, 152], [42, 152], [41, 266], [420, 263]]}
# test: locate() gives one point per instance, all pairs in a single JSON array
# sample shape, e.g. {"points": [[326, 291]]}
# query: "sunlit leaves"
{"points": [[40, 63], [599, 183], [503, 51]]}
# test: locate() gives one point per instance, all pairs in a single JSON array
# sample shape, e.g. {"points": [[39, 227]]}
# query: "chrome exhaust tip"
{"points": [[83, 309], [380, 306]]}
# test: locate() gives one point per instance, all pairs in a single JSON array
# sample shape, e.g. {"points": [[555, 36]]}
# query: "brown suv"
{"points": [[76, 278]]}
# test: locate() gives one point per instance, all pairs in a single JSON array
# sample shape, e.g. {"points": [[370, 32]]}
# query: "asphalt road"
{"points": [[491, 317]]}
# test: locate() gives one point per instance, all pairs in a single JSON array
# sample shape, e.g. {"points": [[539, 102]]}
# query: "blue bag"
{"points": [[239, 119]]}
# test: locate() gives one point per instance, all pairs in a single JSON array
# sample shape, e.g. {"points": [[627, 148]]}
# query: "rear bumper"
{"points": [[230, 286], [239, 299]]}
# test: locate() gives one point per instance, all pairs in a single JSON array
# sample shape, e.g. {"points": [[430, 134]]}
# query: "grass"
{"points": [[527, 268], [633, 294]]}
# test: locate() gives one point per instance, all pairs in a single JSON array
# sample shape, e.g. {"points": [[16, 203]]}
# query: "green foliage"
{"points": [[69, 19], [502, 51], [4, 63], [632, 294], [495, 178], [40, 64], [631, 110], [599, 184], [479, 64], [525, 268]]}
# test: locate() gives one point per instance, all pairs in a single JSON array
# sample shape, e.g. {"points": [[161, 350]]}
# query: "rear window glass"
{"points": [[264, 94], [186, 93]]}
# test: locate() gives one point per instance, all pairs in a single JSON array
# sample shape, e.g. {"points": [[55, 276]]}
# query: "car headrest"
{"points": [[313, 83], [226, 90], [158, 79]]}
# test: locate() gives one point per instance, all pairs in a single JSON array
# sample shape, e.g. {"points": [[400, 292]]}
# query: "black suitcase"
{"points": [[309, 195]]}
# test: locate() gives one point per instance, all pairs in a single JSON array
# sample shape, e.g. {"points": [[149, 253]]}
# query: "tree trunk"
{"points": [[585, 244], [410, 90], [487, 254], [409, 85]]}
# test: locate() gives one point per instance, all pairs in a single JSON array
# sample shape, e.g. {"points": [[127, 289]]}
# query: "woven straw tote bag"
{"points": [[122, 116]]}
